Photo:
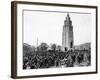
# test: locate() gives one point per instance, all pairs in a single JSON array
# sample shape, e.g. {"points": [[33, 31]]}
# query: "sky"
{"points": [[48, 26]]}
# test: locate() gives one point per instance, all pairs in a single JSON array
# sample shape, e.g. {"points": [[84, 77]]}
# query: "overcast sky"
{"points": [[47, 27]]}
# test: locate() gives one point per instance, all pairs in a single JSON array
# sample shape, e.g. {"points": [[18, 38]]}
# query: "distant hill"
{"points": [[27, 49], [83, 46]]}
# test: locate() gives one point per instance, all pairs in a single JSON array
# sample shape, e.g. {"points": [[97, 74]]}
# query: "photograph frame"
{"points": [[14, 38]]}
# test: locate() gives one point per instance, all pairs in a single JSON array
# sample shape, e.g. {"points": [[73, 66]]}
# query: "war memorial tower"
{"points": [[67, 34]]}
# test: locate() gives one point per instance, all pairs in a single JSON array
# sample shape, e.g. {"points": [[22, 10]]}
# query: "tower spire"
{"points": [[68, 17], [67, 14], [67, 35], [37, 42]]}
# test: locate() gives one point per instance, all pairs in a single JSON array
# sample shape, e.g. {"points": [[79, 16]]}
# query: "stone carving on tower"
{"points": [[67, 34]]}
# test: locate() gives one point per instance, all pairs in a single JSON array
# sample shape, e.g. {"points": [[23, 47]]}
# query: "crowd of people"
{"points": [[53, 59]]}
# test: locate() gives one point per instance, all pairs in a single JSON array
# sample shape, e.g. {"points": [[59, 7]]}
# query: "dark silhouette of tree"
{"points": [[53, 47], [59, 48], [43, 47]]}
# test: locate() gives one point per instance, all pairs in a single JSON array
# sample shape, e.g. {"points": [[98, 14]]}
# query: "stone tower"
{"points": [[67, 34]]}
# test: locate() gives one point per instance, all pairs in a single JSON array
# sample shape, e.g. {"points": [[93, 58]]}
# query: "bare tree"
{"points": [[43, 46]]}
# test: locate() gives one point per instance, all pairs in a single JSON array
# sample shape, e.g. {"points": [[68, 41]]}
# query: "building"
{"points": [[67, 34]]}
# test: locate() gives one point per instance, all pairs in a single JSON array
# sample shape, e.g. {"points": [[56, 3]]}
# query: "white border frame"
{"points": [[21, 72]]}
